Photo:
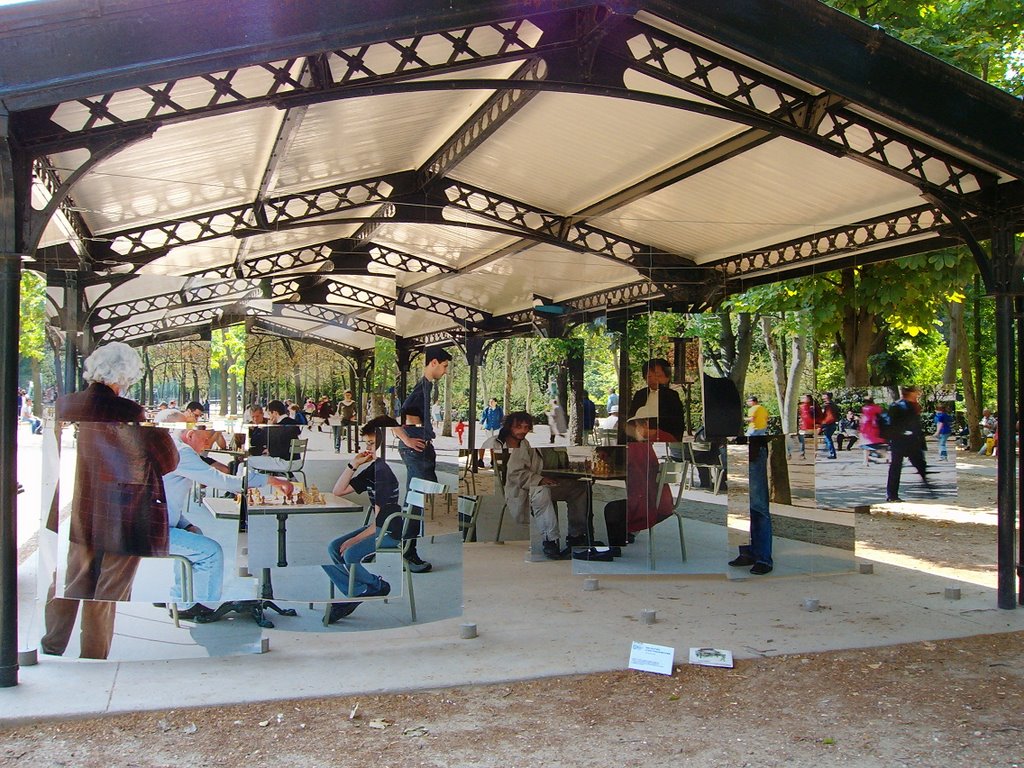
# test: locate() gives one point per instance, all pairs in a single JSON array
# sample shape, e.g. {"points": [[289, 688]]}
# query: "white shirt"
{"points": [[191, 468]]}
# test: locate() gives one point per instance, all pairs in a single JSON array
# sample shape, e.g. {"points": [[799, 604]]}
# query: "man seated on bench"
{"points": [[365, 473]]}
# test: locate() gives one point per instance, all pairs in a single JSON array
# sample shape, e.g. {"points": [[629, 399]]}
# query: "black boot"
{"points": [[552, 551]]}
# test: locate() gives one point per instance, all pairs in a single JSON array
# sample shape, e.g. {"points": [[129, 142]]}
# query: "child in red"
{"points": [[460, 429]]}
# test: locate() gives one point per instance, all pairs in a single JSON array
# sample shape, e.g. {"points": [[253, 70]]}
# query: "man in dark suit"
{"points": [[118, 511], [657, 396], [279, 440]]}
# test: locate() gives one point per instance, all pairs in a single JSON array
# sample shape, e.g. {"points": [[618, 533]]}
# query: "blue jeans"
{"points": [[826, 432], [760, 513], [943, 439], [207, 559], [421, 464], [353, 558]]}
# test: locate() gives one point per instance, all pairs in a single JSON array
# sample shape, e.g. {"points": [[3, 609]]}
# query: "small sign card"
{"points": [[652, 658], [711, 657]]}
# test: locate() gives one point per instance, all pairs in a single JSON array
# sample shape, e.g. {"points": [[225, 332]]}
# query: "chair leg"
{"points": [[682, 539], [408, 588], [719, 474], [501, 519], [650, 547]]}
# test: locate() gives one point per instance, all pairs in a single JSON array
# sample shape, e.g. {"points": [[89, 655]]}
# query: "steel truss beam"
{"points": [[460, 313], [545, 226], [331, 316], [483, 123], [830, 126], [335, 72], [270, 328], [318, 292], [143, 244], [912, 222]]}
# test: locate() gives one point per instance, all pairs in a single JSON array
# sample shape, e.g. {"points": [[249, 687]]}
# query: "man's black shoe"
{"points": [[417, 564], [742, 560], [382, 591], [891, 499], [341, 610], [760, 569], [554, 552], [195, 612], [593, 553]]}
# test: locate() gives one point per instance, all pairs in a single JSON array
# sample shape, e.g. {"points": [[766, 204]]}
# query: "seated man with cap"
{"points": [[186, 538]]}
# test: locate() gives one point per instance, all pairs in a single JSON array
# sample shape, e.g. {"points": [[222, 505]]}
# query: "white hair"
{"points": [[113, 363]]}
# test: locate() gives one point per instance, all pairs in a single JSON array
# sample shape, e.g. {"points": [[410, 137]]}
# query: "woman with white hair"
{"points": [[119, 508]]}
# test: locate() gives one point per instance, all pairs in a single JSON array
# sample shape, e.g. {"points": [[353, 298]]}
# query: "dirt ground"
{"points": [[947, 703]]}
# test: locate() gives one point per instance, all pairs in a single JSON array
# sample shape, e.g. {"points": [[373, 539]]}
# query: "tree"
{"points": [[32, 338], [983, 37]]}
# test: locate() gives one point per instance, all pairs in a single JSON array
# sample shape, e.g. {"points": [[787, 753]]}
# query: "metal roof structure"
{"points": [[432, 169], [437, 169]]}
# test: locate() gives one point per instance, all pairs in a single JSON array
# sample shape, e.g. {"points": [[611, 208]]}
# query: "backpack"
{"points": [[885, 428]]}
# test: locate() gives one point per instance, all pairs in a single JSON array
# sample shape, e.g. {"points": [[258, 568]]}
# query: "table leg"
{"points": [[282, 547]]}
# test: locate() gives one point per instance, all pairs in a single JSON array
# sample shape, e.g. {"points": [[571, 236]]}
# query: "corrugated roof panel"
{"points": [[185, 168], [562, 152], [508, 284], [455, 246], [359, 138], [797, 190]]}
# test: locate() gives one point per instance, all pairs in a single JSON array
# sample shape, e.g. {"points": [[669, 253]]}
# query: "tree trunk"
{"points": [[733, 357], [37, 387], [971, 405], [446, 429], [858, 335], [956, 321], [507, 400], [574, 371], [786, 382], [529, 383]]}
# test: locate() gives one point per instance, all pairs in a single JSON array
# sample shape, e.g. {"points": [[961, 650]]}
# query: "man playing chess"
{"points": [[186, 538]]}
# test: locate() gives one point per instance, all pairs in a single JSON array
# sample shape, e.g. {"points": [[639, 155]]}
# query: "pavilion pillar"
{"points": [[10, 300], [474, 356], [1006, 505], [1019, 316], [621, 326], [364, 368], [403, 353]]}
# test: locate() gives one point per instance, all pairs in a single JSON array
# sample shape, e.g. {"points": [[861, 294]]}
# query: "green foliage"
{"points": [[983, 37], [32, 338]]}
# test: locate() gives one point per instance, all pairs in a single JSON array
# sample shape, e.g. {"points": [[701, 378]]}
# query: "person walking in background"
{"points": [[849, 425], [807, 421], [871, 440], [491, 420], [943, 429], [557, 422], [757, 417], [829, 423], [906, 440]]}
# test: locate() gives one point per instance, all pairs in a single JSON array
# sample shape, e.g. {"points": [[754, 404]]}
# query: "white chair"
{"points": [[415, 498], [669, 473], [187, 590], [691, 463], [468, 508], [295, 465]]}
